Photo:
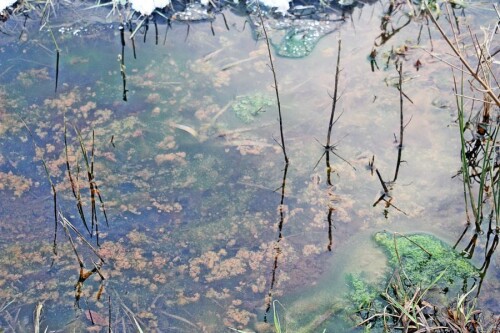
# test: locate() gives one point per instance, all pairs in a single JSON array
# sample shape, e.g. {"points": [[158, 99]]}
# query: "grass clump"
{"points": [[425, 271]]}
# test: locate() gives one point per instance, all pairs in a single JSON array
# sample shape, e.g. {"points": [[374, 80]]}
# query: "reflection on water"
{"points": [[201, 235]]}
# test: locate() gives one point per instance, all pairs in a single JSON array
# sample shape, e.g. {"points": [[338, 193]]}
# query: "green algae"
{"points": [[422, 257], [298, 42], [361, 293], [247, 107], [419, 257]]}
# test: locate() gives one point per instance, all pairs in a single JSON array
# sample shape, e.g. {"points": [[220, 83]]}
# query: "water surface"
{"points": [[192, 190]]}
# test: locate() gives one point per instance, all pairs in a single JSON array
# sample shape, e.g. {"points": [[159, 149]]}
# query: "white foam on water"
{"points": [[6, 3], [146, 7], [281, 6]]}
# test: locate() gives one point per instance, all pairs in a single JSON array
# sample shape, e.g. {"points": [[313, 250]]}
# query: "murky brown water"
{"points": [[191, 188]]}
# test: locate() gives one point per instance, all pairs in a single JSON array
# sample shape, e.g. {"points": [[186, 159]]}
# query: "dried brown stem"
{"points": [[455, 48]]}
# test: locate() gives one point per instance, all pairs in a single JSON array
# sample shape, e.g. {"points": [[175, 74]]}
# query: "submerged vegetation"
{"points": [[247, 108], [423, 257], [424, 271], [416, 292], [173, 208]]}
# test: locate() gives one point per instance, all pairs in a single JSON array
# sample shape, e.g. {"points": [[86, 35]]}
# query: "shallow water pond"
{"points": [[180, 185]]}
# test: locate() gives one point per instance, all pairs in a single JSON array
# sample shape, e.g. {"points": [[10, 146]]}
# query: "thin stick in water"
{"points": [[334, 98], [225, 21], [401, 122], [57, 57], [271, 65], [187, 32], [132, 38], [57, 69], [121, 59], [156, 32], [74, 185]]}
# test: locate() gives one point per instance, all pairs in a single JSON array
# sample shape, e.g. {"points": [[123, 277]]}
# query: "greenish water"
{"points": [[192, 190]]}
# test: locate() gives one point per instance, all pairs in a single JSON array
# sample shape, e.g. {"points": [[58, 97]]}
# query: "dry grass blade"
{"points": [[411, 241], [94, 189], [67, 225], [37, 315], [486, 87], [45, 13], [90, 177], [83, 274], [404, 313], [130, 314], [405, 309], [182, 319], [74, 185]]}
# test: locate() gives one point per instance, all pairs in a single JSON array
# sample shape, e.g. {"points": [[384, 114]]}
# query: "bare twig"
{"points": [[401, 125], [271, 66], [334, 98]]}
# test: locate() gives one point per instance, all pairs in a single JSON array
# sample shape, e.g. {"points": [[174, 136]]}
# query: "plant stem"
{"points": [[276, 90], [487, 88], [334, 98], [401, 124]]}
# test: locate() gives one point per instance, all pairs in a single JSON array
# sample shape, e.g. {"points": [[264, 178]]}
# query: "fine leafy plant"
{"points": [[473, 58], [422, 257], [414, 299]]}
